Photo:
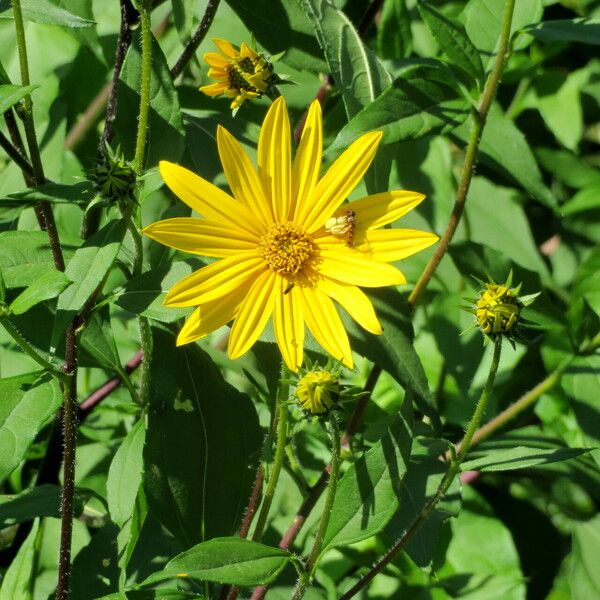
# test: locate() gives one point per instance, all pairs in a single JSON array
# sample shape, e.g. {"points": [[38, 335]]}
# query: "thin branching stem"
{"points": [[478, 118], [445, 484]]}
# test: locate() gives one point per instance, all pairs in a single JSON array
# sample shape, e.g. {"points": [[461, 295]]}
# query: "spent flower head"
{"points": [[281, 254], [240, 74]]}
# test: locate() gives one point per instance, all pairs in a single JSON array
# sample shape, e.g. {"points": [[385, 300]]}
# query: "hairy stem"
{"points": [[311, 563], [282, 418], [478, 117], [445, 484], [196, 39]]}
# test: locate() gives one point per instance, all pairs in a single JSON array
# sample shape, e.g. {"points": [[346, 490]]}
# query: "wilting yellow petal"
{"points": [[377, 210], [349, 266], [211, 316], [253, 314], [274, 159], [215, 280], [341, 178], [200, 236], [225, 47], [242, 177], [207, 199], [355, 302], [213, 89], [288, 324], [214, 59], [389, 245], [325, 324], [307, 163]]}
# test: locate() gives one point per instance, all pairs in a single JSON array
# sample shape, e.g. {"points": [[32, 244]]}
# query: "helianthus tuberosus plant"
{"points": [[233, 362]]}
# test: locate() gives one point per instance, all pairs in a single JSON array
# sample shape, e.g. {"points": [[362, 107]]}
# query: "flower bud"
{"points": [[317, 391]]}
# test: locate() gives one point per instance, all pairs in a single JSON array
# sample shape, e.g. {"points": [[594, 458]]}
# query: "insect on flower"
{"points": [[343, 225]]}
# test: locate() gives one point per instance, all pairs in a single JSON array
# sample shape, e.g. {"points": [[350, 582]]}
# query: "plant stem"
{"points": [[196, 39], [15, 155], [146, 75], [311, 563], [445, 484], [478, 116], [30, 350], [282, 417], [70, 443]]}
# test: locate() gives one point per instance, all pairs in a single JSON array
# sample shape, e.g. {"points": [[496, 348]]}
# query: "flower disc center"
{"points": [[286, 248]]}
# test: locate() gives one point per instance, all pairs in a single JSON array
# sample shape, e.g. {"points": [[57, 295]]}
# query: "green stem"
{"points": [[478, 117], [30, 350], [311, 563], [482, 403], [282, 418], [146, 74], [445, 484]]}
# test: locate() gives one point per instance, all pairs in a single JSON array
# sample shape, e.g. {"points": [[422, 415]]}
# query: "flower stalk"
{"points": [[281, 412]]}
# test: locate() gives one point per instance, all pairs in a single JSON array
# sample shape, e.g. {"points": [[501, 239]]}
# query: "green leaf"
{"points": [[586, 199], [584, 577], [25, 256], [17, 580], [453, 41], [47, 287], [125, 475], [165, 128], [159, 594], [202, 444], [504, 148], [41, 501], [144, 294], [483, 21], [23, 417], [584, 31], [11, 94], [420, 484], [422, 100], [368, 494], [43, 11], [568, 167], [394, 38], [356, 70], [393, 351], [227, 560], [87, 269], [282, 25], [519, 457], [98, 341], [55, 193]]}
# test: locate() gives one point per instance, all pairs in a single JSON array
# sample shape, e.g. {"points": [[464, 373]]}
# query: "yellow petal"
{"points": [[247, 52], [355, 302], [325, 324], [225, 47], [207, 199], [307, 163], [214, 59], [211, 316], [215, 280], [380, 209], [200, 236], [241, 176], [253, 314], [349, 266], [341, 178], [275, 161], [214, 89], [389, 245], [288, 324], [218, 74]]}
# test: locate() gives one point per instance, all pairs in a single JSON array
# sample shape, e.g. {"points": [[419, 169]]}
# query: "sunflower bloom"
{"points": [[289, 246], [241, 74]]}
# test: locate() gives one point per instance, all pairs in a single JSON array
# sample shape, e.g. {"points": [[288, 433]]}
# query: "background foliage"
{"points": [[154, 481]]}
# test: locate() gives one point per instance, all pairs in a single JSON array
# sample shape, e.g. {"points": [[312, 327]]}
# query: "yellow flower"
{"points": [[277, 255], [241, 75], [317, 391], [497, 309]]}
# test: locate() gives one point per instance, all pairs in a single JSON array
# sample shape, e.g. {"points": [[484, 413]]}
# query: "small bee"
{"points": [[343, 225], [289, 287]]}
